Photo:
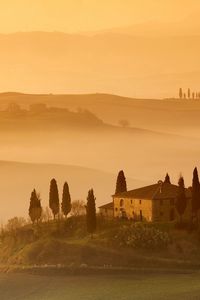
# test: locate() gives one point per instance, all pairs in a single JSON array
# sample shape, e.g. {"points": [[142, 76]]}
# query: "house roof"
{"points": [[107, 206], [153, 192]]}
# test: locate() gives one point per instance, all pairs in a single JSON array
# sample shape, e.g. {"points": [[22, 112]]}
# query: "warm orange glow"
{"points": [[81, 15]]}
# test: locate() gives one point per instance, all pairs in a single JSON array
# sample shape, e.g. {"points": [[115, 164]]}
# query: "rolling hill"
{"points": [[163, 135]]}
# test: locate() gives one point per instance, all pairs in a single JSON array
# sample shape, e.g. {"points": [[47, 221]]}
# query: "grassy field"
{"points": [[137, 286]]}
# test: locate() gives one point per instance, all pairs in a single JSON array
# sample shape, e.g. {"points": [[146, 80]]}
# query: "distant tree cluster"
{"points": [[181, 199], [35, 208], [189, 94], [76, 208]]}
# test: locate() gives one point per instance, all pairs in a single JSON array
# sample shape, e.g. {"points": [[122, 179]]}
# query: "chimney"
{"points": [[160, 182]]}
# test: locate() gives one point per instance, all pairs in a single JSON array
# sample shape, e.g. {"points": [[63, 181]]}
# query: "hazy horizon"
{"points": [[87, 15]]}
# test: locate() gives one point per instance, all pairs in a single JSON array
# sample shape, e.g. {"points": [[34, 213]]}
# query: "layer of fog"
{"points": [[144, 155]]}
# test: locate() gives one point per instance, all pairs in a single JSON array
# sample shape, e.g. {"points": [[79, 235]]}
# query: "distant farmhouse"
{"points": [[153, 203]]}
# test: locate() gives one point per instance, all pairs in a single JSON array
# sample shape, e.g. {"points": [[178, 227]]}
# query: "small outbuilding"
{"points": [[107, 210]]}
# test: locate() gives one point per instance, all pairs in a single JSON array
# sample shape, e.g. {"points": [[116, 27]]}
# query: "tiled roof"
{"points": [[154, 191], [107, 206]]}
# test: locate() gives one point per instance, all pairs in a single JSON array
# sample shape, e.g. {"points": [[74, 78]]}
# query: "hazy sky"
{"points": [[81, 15]]}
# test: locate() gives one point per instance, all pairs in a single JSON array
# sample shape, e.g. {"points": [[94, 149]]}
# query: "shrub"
{"points": [[139, 235]]}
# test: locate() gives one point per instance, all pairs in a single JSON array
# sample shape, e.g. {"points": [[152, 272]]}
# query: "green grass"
{"points": [[138, 286]]}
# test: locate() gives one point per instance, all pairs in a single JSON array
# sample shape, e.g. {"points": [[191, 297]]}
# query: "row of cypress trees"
{"points": [[189, 94], [35, 207], [54, 203], [181, 199]]}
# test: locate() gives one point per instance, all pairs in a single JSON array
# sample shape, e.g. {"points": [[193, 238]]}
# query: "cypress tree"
{"points": [[32, 206], [54, 198], [195, 193], [167, 179], [66, 200], [35, 208], [181, 200], [91, 212], [121, 183], [180, 93]]}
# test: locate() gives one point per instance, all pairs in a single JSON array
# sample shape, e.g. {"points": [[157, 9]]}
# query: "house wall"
{"points": [[162, 210], [136, 209], [165, 210], [106, 212]]}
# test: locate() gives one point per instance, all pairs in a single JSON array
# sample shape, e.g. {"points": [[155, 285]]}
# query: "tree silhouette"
{"points": [[180, 93], [91, 212], [195, 194], [66, 200], [35, 208], [121, 183], [181, 200], [167, 179], [54, 198]]}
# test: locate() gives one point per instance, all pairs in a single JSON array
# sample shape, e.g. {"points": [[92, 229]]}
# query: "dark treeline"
{"points": [[188, 94], [64, 208]]}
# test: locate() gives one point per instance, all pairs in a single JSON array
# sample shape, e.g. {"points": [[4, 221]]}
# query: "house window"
{"points": [[140, 201], [121, 202], [161, 202], [131, 201], [116, 209]]}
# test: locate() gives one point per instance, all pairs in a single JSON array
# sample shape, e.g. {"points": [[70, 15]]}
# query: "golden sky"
{"points": [[83, 15]]}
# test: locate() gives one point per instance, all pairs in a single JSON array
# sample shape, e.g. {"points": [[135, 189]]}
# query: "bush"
{"points": [[139, 235]]}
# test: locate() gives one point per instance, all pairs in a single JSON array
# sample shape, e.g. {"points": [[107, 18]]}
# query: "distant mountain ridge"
{"points": [[189, 26]]}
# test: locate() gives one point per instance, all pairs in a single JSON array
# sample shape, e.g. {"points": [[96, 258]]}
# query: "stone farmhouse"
{"points": [[153, 203]]}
